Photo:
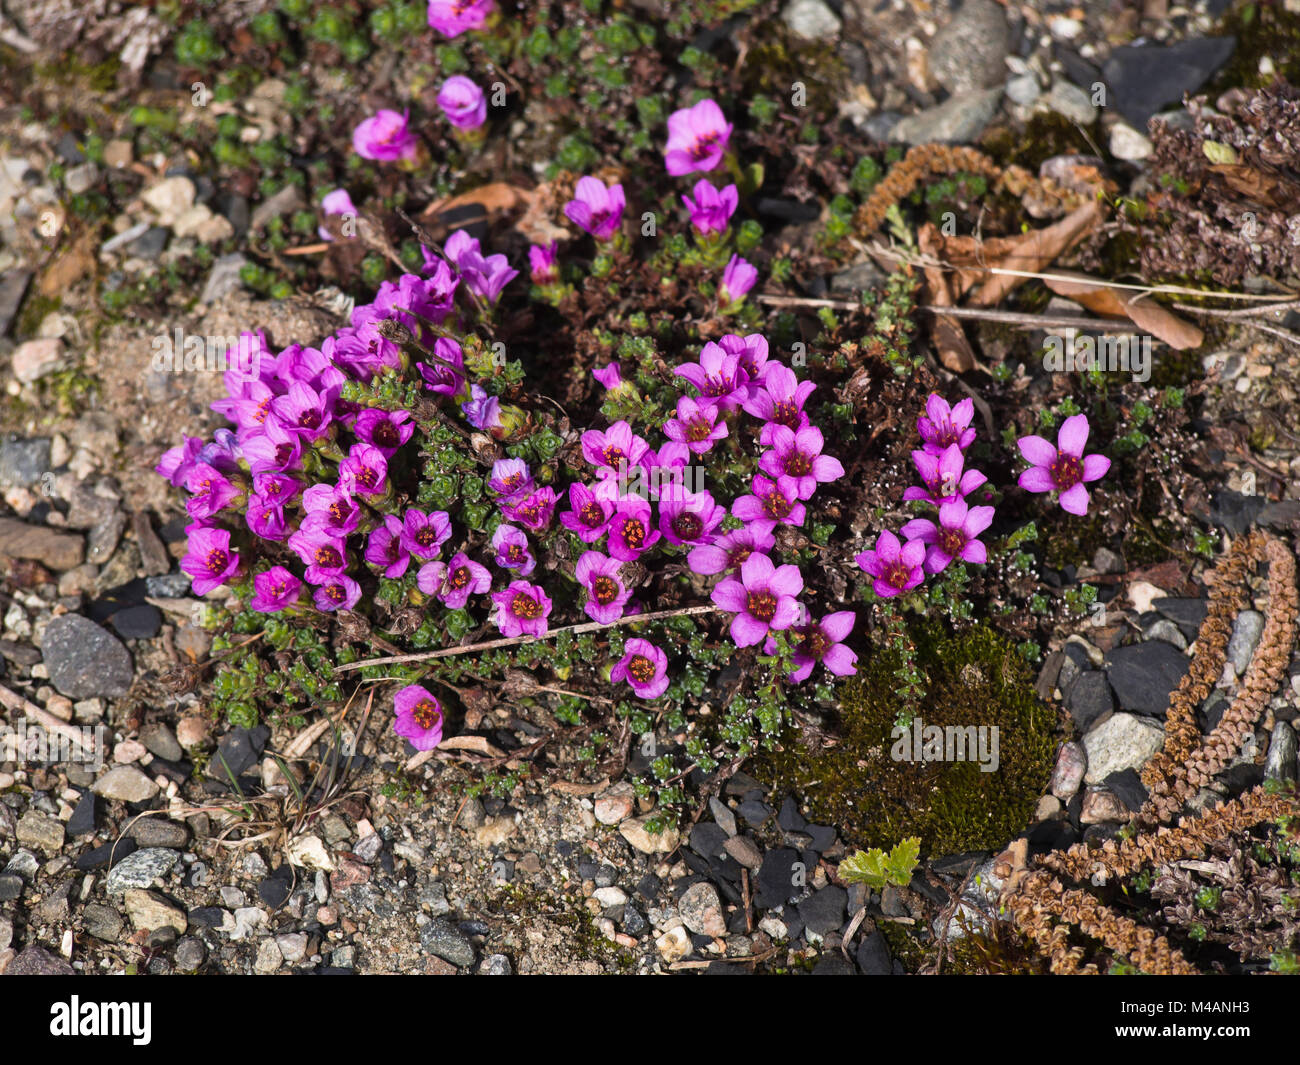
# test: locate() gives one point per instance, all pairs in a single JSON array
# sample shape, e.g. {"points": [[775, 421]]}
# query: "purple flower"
{"points": [[1063, 468], [451, 18], [385, 137], [330, 509], [424, 534], [954, 536], [361, 350], [897, 568], [385, 548], [796, 460], [522, 609], [596, 209], [779, 402], [718, 376], [511, 547], [609, 451], [462, 102], [609, 377], [644, 666], [304, 411], [696, 426], [439, 377], [274, 590], [364, 471], [209, 560], [385, 430], [336, 202], [630, 533], [177, 462], [277, 488], [763, 599], [481, 410], [943, 476], [273, 449], [533, 511], [697, 138], [823, 641], [737, 279], [418, 716], [453, 582], [484, 277], [543, 264], [589, 512], [729, 551], [606, 593], [266, 518], [338, 592], [689, 517], [325, 555], [711, 210], [771, 501], [941, 426], [510, 478], [212, 492], [751, 351]]}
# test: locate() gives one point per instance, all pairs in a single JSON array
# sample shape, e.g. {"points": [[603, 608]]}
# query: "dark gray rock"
{"points": [[823, 911], [102, 922], [137, 622], [834, 964], [775, 878], [10, 887], [140, 869], [149, 244], [1144, 674], [446, 942], [873, 956], [22, 462], [82, 821], [1089, 699], [37, 961], [970, 52], [1143, 79], [958, 120], [238, 750], [13, 286], [85, 660], [1127, 786], [155, 832]]}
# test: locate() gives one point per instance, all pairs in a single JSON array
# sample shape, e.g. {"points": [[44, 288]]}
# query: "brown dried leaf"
{"points": [[947, 334], [477, 744], [1146, 314]]}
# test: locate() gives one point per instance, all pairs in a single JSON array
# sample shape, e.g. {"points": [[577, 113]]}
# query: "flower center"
{"points": [[897, 575], [703, 146], [591, 515], [515, 555], [459, 577], [604, 590], [525, 606], [738, 555], [335, 593], [815, 643], [309, 419], [688, 526], [785, 413], [718, 386], [328, 558], [427, 536], [262, 410], [951, 541], [797, 464], [217, 561], [426, 714], [642, 669], [339, 511], [633, 533], [386, 435], [511, 483], [775, 505], [761, 605], [612, 455], [698, 430], [366, 477], [1066, 471]]}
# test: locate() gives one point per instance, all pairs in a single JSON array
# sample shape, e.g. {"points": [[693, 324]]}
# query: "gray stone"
{"points": [[155, 832], [1070, 101], [6, 933], [1023, 90], [1071, 764], [293, 946], [496, 965], [434, 896], [13, 286], [723, 816], [22, 462], [55, 550], [1166, 630], [1089, 699], [40, 831], [812, 20], [160, 740], [149, 911], [1122, 741], [268, 957], [701, 910], [1128, 144], [286, 201], [102, 922], [85, 660], [970, 52], [190, 954], [873, 955], [1144, 674], [125, 783], [1281, 761], [149, 244], [958, 120], [440, 938], [1247, 628], [223, 278], [823, 911], [140, 870], [37, 961], [745, 851], [855, 280], [11, 887]]}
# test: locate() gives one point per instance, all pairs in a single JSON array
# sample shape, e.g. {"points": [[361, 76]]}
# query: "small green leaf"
{"points": [[1219, 153]]}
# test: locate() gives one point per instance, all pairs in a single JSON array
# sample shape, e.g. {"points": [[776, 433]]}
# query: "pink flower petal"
{"points": [[1075, 500], [1073, 435], [1037, 451], [1095, 467]]}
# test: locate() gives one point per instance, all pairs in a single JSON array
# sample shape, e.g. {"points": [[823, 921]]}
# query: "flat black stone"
{"points": [[823, 911], [790, 819], [1128, 788], [1144, 674], [648, 886], [275, 889], [696, 863], [873, 956], [1209, 715], [207, 916], [1051, 835], [1281, 515], [1089, 698], [107, 854], [1234, 511], [775, 885], [834, 964], [707, 839], [823, 837], [10, 887], [137, 622], [239, 749], [1186, 613], [82, 821], [1144, 79], [754, 813], [1241, 777]]}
